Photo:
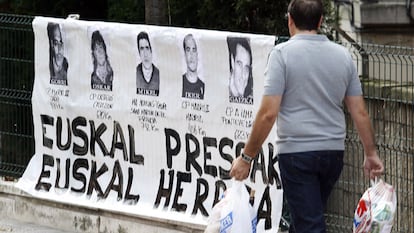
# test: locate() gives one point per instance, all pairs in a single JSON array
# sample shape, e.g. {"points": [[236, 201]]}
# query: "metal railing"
{"points": [[16, 82], [387, 74]]}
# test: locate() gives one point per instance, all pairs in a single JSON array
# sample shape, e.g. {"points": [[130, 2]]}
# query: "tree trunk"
{"points": [[156, 12]]}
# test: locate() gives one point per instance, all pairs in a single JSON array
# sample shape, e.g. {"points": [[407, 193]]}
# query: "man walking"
{"points": [[307, 80]]}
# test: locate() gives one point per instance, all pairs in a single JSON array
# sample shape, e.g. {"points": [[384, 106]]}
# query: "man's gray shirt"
{"points": [[313, 75]]}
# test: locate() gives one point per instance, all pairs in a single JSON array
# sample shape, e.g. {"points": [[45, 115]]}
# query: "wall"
{"points": [[17, 205]]}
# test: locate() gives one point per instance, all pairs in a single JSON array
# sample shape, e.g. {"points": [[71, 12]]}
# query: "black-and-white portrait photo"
{"points": [[102, 75], [58, 64], [193, 86], [147, 74], [241, 78]]}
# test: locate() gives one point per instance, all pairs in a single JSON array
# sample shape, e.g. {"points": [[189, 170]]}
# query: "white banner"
{"points": [[146, 119]]}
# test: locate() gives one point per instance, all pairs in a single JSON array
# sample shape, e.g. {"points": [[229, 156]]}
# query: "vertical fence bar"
{"points": [[388, 84], [16, 81]]}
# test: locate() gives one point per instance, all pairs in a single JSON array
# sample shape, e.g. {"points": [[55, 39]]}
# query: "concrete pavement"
{"points": [[16, 226], [22, 213]]}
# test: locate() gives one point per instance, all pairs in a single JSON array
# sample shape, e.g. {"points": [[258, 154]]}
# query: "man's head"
{"points": [[306, 14], [241, 64], [98, 48], [144, 49], [55, 43], [191, 53]]}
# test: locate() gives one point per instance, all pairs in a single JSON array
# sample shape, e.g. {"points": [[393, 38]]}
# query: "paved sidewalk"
{"points": [[15, 226]]}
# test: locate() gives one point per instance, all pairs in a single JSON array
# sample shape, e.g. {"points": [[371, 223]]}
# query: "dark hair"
{"points": [[97, 39], [143, 35], [51, 27], [232, 43], [188, 36], [306, 13]]}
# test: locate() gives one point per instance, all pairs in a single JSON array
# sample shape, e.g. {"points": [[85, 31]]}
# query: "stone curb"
{"points": [[17, 205]]}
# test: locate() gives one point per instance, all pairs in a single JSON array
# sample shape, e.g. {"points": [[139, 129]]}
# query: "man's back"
{"points": [[313, 74]]}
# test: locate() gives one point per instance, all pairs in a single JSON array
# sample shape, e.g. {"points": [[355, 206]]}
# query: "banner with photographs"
{"points": [[147, 119]]}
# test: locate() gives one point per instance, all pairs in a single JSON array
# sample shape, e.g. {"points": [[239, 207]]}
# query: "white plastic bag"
{"points": [[376, 209], [233, 213]]}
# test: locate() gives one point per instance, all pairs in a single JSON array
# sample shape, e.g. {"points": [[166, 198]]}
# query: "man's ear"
{"points": [[320, 22], [290, 20]]}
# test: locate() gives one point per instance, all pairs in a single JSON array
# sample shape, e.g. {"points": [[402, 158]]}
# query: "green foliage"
{"points": [[263, 16], [57, 8], [217, 14], [330, 20], [88, 9], [185, 13], [254, 16], [130, 11], [20, 6]]}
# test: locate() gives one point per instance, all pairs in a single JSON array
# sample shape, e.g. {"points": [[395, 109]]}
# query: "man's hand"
{"points": [[373, 166], [240, 169]]}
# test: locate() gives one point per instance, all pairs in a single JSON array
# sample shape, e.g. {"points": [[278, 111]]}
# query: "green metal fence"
{"points": [[16, 82], [387, 75]]}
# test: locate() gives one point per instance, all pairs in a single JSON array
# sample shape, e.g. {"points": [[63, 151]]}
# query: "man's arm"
{"points": [[263, 123], [373, 166]]}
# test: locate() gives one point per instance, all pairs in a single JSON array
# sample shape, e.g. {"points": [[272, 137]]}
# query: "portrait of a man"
{"points": [[58, 64], [193, 86], [147, 74], [102, 75], [241, 78]]}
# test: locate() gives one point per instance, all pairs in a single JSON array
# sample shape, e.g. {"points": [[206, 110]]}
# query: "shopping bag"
{"points": [[233, 213], [376, 208]]}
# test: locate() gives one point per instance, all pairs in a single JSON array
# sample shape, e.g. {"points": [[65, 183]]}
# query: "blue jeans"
{"points": [[308, 179]]}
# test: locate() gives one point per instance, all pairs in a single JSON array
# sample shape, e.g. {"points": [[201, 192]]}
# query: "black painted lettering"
{"points": [[80, 149], [265, 212], [134, 158], [170, 152], [130, 198], [249, 190], [259, 165], [46, 120], [200, 197], [58, 172], [209, 169], [225, 142], [272, 173], [47, 161], [93, 182], [78, 164], [164, 192], [116, 175], [239, 148], [181, 177], [96, 138], [118, 134], [59, 144], [191, 156], [219, 191]]}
